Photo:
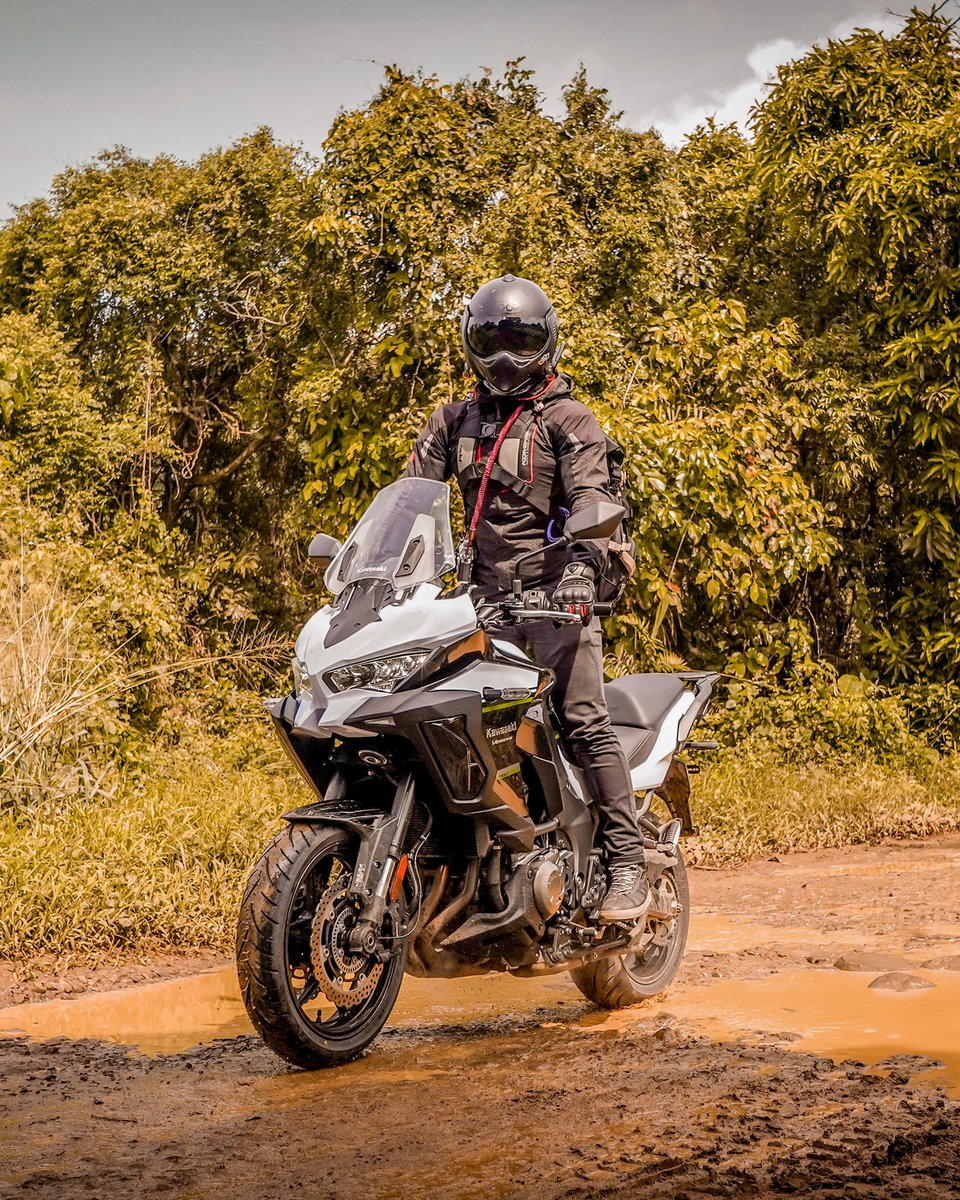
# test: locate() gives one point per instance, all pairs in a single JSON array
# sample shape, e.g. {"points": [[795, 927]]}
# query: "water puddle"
{"points": [[178, 1014], [833, 1013], [726, 933]]}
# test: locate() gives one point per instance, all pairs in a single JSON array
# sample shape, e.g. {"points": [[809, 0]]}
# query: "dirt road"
{"points": [[765, 1071]]}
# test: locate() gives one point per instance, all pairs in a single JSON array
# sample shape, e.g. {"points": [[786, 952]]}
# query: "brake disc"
{"points": [[344, 977]]}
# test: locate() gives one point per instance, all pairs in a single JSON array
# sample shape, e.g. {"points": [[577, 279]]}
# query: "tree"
{"points": [[842, 215], [181, 291]]}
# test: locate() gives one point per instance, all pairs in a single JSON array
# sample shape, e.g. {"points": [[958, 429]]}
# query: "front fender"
{"points": [[338, 807]]}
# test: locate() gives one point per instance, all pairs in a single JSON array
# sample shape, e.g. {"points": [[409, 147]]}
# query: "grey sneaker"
{"points": [[628, 896]]}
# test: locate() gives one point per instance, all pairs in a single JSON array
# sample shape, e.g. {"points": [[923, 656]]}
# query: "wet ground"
{"points": [[766, 1070]]}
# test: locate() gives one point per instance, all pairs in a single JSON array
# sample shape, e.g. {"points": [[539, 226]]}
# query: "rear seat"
{"points": [[642, 701]]}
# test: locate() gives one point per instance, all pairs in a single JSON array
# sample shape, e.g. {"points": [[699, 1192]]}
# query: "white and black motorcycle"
{"points": [[449, 834]]}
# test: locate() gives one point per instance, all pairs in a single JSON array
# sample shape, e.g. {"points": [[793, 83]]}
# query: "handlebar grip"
{"points": [[603, 610], [541, 614]]}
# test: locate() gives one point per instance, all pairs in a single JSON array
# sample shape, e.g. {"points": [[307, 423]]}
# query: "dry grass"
{"points": [[159, 864], [55, 689], [163, 864], [748, 809]]}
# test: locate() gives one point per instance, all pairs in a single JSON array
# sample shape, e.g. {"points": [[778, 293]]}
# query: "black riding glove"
{"points": [[576, 592]]}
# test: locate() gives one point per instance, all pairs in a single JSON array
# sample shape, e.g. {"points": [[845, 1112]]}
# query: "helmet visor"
{"points": [[512, 334]]}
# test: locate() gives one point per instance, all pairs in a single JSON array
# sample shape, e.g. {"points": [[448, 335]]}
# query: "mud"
{"points": [[47, 977], [765, 1071]]}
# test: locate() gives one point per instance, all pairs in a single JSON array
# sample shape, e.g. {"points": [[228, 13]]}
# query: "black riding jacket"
{"points": [[554, 458]]}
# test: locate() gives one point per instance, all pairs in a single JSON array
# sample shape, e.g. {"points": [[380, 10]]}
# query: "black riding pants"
{"points": [[574, 652]]}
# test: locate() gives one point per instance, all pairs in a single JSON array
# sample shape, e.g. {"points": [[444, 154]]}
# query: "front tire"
{"points": [[625, 979], [298, 885]]}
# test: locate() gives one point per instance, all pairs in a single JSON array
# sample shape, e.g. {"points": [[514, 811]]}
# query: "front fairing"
{"points": [[420, 621]]}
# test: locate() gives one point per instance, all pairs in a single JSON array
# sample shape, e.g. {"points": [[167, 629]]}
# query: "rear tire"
{"points": [[625, 979], [274, 957]]}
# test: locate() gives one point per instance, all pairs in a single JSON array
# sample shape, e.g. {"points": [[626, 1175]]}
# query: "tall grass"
{"points": [[162, 863], [747, 807], [109, 833], [146, 841], [157, 863], [55, 689]]}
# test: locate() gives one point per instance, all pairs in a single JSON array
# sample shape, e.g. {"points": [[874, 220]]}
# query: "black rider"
{"points": [[551, 459]]}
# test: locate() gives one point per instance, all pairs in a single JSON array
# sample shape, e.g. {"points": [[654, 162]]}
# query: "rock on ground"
{"points": [[897, 981]]}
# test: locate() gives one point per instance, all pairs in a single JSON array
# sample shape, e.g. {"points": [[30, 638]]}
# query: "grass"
{"points": [[746, 808], [154, 866], [161, 865]]}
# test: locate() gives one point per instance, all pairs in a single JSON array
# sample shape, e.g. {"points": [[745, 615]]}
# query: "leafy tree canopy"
{"points": [[206, 360]]}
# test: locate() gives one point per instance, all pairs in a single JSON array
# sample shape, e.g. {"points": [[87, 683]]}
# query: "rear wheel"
{"points": [[313, 1000], [626, 979]]}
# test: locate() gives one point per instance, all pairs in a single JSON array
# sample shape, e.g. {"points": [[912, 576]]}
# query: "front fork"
{"points": [[380, 868]]}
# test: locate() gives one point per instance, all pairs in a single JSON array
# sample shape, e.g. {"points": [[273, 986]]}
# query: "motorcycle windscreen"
{"points": [[404, 537]]}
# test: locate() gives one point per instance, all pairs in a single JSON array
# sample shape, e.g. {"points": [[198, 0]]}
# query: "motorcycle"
{"points": [[450, 834]]}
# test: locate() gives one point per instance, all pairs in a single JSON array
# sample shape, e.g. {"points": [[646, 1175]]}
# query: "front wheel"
{"points": [[626, 979], [312, 999]]}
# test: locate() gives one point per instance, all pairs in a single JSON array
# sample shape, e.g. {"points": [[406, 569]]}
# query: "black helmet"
{"points": [[510, 334]]}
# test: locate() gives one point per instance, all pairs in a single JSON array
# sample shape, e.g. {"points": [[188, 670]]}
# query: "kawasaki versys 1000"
{"points": [[450, 834]]}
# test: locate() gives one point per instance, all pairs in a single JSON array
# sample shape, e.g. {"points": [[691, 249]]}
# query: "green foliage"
{"points": [[842, 215], [219, 355], [821, 718], [182, 291], [727, 528], [52, 433], [200, 363], [429, 191]]}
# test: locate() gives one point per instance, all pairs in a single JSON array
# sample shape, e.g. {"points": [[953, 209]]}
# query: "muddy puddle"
{"points": [[830, 1013], [822, 1011], [178, 1014]]}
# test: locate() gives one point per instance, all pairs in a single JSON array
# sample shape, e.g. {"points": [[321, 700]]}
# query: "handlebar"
{"points": [[534, 606]]}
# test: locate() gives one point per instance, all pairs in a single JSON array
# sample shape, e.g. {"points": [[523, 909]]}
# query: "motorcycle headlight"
{"points": [[301, 678], [382, 674]]}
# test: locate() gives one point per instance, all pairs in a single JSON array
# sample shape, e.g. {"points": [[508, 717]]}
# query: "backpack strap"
{"points": [[491, 462]]}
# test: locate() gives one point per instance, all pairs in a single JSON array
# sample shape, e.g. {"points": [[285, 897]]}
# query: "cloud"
{"points": [[733, 106]]}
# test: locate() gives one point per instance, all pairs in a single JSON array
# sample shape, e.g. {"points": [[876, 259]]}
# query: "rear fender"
{"points": [[703, 682], [675, 793]]}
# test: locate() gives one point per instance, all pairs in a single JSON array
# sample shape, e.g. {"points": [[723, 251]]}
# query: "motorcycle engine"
{"points": [[547, 873]]}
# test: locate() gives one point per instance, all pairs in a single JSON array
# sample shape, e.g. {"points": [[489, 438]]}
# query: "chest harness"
{"points": [[510, 463]]}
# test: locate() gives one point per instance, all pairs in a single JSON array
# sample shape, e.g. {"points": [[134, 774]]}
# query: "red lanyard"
{"points": [[482, 494], [507, 426]]}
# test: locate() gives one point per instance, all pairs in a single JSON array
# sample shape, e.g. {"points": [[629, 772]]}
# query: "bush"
{"points": [[820, 718]]}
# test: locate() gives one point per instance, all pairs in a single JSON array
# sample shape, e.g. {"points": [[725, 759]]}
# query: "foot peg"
{"points": [[669, 836]]}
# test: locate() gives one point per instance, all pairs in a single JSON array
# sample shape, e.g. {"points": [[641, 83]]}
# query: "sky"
{"points": [[182, 76]]}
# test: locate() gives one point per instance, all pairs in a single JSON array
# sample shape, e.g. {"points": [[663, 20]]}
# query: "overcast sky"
{"points": [[182, 76]]}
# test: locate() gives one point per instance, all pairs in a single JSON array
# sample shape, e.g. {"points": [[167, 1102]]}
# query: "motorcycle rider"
{"points": [[549, 460]]}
